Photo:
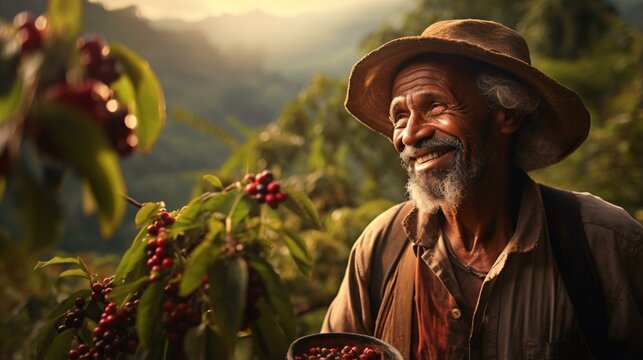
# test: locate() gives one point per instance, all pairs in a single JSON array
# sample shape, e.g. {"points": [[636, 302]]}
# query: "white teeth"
{"points": [[430, 156]]}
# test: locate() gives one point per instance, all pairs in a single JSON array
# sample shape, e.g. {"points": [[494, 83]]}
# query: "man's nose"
{"points": [[417, 128]]}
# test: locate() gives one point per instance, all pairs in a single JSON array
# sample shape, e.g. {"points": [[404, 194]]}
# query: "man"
{"points": [[470, 116]]}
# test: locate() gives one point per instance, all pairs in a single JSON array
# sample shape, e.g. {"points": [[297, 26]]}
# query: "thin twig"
{"points": [[230, 187], [133, 202]]}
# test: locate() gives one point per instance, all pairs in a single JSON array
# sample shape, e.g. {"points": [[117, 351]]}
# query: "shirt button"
{"points": [[456, 313]]}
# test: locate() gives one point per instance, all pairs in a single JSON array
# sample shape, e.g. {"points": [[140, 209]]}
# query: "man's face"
{"points": [[442, 130]]}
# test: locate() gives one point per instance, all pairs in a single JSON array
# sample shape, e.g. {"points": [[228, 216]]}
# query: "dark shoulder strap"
{"points": [[576, 265], [388, 249]]}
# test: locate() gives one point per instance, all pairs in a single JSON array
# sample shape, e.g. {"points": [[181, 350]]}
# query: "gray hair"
{"points": [[501, 90]]}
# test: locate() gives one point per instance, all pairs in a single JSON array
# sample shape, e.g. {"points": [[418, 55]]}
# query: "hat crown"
{"points": [[489, 35], [559, 125]]}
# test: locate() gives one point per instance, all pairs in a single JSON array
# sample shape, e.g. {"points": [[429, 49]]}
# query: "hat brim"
{"points": [[563, 120]]}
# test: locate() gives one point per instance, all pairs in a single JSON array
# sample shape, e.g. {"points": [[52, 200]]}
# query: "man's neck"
{"points": [[484, 222]]}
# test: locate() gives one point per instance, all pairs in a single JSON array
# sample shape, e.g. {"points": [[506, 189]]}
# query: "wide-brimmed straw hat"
{"points": [[559, 126]]}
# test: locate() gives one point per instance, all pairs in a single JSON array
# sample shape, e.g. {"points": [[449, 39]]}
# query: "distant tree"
{"points": [[575, 25]]}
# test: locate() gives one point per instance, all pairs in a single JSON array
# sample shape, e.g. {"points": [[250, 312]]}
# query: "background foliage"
{"points": [[350, 173]]}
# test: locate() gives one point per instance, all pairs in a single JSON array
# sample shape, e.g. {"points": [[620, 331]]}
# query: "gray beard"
{"points": [[439, 188]]}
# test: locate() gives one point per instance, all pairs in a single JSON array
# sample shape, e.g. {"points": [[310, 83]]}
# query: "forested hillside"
{"points": [[196, 75]]}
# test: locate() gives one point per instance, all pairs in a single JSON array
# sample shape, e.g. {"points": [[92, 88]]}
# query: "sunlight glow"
{"points": [[199, 9]]}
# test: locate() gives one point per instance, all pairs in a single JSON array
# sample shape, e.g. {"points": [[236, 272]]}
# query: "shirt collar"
{"points": [[423, 229]]}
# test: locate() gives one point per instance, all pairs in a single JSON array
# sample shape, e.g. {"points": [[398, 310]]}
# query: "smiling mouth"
{"points": [[431, 156]]}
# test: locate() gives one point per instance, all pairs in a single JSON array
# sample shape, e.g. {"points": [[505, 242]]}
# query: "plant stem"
{"points": [[133, 202]]}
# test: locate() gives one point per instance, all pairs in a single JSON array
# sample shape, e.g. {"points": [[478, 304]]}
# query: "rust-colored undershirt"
{"points": [[437, 333]]}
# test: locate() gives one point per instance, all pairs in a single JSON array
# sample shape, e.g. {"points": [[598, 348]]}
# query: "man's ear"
{"points": [[507, 121]]}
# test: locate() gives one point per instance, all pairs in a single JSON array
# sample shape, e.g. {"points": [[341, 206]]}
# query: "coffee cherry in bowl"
{"points": [[341, 346]]}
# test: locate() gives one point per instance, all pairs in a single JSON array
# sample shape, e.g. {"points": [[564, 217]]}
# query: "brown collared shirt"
{"points": [[523, 310]]}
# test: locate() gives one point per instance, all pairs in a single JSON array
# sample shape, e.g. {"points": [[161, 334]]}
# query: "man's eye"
{"points": [[437, 108], [399, 117]]}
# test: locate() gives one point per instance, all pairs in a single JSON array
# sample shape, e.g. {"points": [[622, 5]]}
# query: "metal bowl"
{"points": [[340, 339]]}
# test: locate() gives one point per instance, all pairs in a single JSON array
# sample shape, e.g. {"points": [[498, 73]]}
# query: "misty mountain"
{"points": [[195, 75], [297, 46], [211, 80]]}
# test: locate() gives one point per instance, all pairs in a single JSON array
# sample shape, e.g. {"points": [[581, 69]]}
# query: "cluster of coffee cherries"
{"points": [[264, 189], [31, 31], [114, 335], [346, 352], [96, 60], [92, 95], [179, 315], [159, 252], [96, 99], [101, 289], [74, 317]]}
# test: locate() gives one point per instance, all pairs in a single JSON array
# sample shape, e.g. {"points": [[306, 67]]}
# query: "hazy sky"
{"points": [[197, 9]]}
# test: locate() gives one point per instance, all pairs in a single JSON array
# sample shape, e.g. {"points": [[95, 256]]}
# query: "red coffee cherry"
{"points": [[249, 178], [31, 31], [94, 57], [90, 96], [251, 189], [120, 126], [273, 188], [264, 177]]}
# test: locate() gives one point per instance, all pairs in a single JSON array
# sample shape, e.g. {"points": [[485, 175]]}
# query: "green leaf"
{"points": [[298, 251], [150, 101], [200, 260], [40, 212], [121, 292], [269, 338], [124, 91], [75, 272], [244, 350], [242, 208], [68, 303], [10, 102], [88, 203], [201, 343], [60, 346], [93, 311], [83, 266], [85, 146], [147, 213], [301, 205], [44, 339], [214, 181], [220, 202], [215, 227], [191, 216], [228, 287], [65, 18], [133, 258], [57, 260], [148, 321], [277, 295], [187, 217], [3, 186]]}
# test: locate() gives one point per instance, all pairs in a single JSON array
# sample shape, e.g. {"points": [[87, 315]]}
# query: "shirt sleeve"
{"points": [[616, 240]]}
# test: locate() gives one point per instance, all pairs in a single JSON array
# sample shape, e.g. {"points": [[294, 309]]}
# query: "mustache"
{"points": [[411, 152]]}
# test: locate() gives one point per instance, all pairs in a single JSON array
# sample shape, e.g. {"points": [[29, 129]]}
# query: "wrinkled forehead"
{"points": [[455, 73]]}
